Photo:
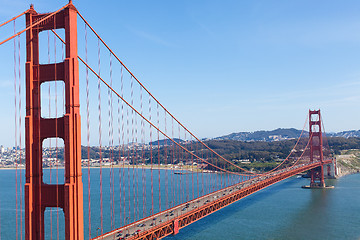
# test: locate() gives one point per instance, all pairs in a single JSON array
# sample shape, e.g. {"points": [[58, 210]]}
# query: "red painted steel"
{"points": [[12, 19], [38, 195], [176, 226], [316, 148]]}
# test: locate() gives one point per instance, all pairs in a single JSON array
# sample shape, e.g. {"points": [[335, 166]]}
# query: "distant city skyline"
{"points": [[222, 66]]}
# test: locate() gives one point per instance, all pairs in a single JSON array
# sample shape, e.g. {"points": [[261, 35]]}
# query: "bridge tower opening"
{"points": [[39, 195]]}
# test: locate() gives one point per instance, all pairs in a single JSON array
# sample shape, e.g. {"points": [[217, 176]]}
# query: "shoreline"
{"points": [[344, 171], [348, 162], [347, 172], [155, 167]]}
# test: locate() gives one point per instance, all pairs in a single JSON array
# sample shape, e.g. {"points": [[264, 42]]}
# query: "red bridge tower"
{"points": [[316, 149], [38, 195]]}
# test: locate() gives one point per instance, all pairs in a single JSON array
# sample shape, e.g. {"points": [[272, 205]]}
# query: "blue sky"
{"points": [[225, 66]]}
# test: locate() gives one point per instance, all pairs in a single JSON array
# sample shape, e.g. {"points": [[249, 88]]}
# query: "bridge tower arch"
{"points": [[39, 195]]}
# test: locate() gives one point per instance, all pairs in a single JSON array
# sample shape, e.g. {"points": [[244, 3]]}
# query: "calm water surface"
{"points": [[282, 211]]}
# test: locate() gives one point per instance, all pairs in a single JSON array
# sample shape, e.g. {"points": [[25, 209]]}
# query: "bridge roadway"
{"points": [[171, 220]]}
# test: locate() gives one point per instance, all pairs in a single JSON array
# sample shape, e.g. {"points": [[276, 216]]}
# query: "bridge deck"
{"points": [[170, 221]]}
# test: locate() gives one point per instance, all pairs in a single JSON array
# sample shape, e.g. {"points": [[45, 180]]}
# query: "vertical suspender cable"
{"points": [[192, 169], [123, 144], [151, 162], [214, 175], [158, 139], [197, 173], [208, 156], [49, 114], [20, 140], [204, 171], [38, 132], [137, 168], [173, 165], [16, 134], [120, 153], [180, 175], [142, 155], [183, 176], [20, 143], [138, 163], [201, 170], [99, 109], [88, 133], [56, 135], [186, 188], [112, 151], [166, 166], [133, 150], [181, 156], [222, 177], [128, 158], [228, 175], [110, 145], [206, 176]]}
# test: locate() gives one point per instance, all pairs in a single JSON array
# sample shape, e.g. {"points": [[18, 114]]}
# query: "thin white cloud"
{"points": [[350, 84], [345, 101], [150, 37], [312, 33]]}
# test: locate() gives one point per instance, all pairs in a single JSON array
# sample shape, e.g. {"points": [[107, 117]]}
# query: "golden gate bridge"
{"points": [[157, 188]]}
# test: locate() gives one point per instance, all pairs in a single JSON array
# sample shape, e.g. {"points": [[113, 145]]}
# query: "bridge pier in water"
{"points": [[330, 171]]}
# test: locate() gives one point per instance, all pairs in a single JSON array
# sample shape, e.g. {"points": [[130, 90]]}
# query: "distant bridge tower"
{"points": [[316, 149], [38, 195]]}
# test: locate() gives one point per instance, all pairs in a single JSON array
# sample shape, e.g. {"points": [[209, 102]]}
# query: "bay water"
{"points": [[282, 211]]}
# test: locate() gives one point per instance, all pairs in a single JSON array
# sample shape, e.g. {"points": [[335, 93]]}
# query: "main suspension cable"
{"points": [[149, 122], [287, 158], [103, 42], [13, 19]]}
